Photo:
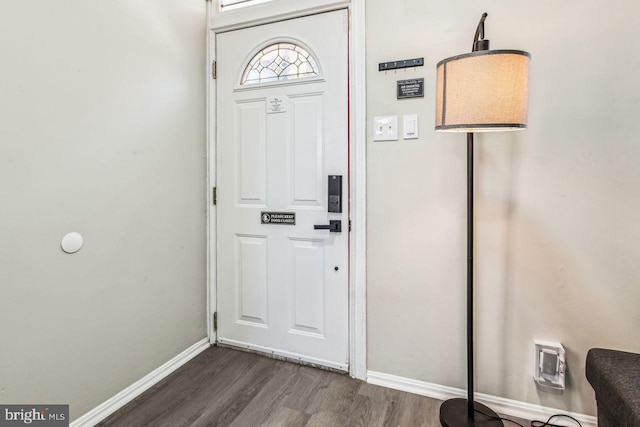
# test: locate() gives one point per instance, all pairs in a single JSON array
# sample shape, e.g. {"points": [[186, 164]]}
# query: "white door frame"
{"points": [[277, 10]]}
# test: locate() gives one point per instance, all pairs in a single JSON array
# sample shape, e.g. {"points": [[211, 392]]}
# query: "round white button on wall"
{"points": [[72, 242]]}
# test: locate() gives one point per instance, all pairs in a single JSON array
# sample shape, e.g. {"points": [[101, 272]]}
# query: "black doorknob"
{"points": [[334, 226]]}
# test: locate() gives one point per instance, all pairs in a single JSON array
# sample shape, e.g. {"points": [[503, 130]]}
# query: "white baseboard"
{"points": [[501, 405], [110, 406]]}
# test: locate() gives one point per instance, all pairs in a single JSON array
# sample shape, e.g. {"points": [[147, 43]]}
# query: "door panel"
{"points": [[251, 156], [308, 286], [283, 288], [306, 134], [252, 279]]}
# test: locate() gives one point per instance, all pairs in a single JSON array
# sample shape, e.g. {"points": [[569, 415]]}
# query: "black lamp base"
{"points": [[453, 413]]}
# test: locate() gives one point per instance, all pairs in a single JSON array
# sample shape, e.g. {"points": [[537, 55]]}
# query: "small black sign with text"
{"points": [[286, 218], [412, 88]]}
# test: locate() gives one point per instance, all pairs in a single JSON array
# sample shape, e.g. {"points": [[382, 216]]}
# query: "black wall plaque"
{"points": [[286, 218], [412, 88]]}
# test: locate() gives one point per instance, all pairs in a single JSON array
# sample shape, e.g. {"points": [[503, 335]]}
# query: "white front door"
{"points": [[282, 148]]}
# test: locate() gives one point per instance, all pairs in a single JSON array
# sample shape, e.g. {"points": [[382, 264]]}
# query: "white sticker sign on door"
{"points": [[276, 104]]}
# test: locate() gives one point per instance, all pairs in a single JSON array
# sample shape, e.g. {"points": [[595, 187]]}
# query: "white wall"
{"points": [[102, 131], [557, 205]]}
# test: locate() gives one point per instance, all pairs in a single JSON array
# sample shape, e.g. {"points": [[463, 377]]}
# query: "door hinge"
{"points": [[214, 195], [214, 70], [349, 225], [215, 321]]}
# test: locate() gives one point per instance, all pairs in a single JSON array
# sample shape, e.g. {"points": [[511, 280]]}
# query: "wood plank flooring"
{"points": [[224, 387]]}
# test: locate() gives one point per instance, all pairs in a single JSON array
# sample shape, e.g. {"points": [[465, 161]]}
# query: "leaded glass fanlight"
{"points": [[278, 62]]}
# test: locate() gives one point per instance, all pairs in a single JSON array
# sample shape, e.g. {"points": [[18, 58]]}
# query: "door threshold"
{"points": [[287, 356]]}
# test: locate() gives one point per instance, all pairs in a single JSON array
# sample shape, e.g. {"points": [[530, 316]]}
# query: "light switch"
{"points": [[385, 128], [410, 126]]}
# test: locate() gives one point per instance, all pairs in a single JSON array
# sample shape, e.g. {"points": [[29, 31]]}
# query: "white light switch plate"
{"points": [[410, 126], [385, 128]]}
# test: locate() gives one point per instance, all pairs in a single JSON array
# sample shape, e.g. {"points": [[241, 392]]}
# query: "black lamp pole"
{"points": [[470, 410], [479, 43], [462, 412]]}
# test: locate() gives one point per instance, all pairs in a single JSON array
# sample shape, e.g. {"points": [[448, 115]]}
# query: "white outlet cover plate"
{"points": [[554, 349], [385, 128]]}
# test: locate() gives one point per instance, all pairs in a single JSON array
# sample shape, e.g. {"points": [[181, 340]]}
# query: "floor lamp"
{"points": [[482, 91]]}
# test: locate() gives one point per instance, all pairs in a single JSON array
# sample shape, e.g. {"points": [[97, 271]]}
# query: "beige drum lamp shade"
{"points": [[483, 91]]}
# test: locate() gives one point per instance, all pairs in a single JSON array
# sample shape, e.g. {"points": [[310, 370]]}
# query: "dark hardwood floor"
{"points": [[224, 387]]}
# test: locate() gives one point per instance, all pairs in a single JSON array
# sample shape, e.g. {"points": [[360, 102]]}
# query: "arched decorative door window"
{"points": [[278, 62]]}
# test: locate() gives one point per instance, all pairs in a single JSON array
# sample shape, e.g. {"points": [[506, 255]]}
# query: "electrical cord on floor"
{"points": [[534, 423], [547, 423]]}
